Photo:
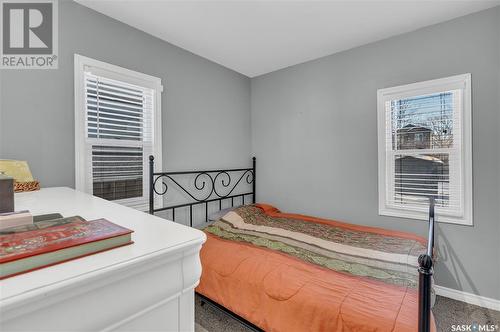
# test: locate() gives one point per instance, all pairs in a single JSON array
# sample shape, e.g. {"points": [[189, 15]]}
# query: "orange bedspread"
{"points": [[278, 292]]}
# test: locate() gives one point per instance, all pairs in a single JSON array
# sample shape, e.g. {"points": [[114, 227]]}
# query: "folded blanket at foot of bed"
{"points": [[286, 272]]}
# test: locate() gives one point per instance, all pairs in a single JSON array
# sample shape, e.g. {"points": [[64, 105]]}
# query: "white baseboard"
{"points": [[470, 298]]}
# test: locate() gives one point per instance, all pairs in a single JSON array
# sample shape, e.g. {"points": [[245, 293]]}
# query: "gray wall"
{"points": [[205, 107], [314, 132]]}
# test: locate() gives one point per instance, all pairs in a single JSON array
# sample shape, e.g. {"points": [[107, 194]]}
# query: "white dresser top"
{"points": [[152, 236]]}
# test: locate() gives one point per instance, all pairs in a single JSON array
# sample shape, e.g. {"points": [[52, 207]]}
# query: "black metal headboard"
{"points": [[213, 185]]}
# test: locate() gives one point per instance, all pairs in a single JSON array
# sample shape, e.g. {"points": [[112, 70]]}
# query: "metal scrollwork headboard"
{"points": [[208, 186]]}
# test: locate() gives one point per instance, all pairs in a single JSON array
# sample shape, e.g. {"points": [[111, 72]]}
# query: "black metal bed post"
{"points": [[254, 162], [151, 184], [425, 277]]}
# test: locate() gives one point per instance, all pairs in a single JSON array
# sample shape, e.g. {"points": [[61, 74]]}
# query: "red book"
{"points": [[26, 251]]}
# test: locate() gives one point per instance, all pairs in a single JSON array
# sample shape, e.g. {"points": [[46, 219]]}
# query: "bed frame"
{"points": [[215, 182], [219, 185]]}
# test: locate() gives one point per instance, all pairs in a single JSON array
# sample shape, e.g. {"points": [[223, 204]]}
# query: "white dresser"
{"points": [[146, 286]]}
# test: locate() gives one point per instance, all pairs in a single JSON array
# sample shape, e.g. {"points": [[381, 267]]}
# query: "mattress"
{"points": [[285, 272]]}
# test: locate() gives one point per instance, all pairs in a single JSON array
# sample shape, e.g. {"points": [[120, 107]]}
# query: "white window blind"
{"points": [[422, 149], [119, 118], [119, 137]]}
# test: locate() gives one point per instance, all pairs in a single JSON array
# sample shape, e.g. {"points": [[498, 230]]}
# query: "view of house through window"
{"points": [[424, 149], [423, 123]]}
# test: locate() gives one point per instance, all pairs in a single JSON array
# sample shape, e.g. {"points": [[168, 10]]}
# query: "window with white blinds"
{"points": [[425, 149], [117, 116]]}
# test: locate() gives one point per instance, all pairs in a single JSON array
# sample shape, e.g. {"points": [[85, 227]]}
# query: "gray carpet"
{"points": [[446, 311], [449, 312], [210, 319]]}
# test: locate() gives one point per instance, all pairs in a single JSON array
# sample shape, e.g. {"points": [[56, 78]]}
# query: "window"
{"points": [[117, 127], [424, 147]]}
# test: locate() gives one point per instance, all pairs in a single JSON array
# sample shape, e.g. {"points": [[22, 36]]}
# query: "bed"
{"points": [[275, 271]]}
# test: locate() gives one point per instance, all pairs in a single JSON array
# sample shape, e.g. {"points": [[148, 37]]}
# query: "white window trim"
{"points": [[422, 88], [83, 64]]}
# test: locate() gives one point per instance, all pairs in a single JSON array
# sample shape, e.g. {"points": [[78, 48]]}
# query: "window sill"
{"points": [[418, 215]]}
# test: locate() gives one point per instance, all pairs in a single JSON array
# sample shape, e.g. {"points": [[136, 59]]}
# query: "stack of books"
{"points": [[52, 239]]}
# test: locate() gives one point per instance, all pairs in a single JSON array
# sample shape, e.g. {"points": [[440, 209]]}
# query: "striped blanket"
{"points": [[386, 258]]}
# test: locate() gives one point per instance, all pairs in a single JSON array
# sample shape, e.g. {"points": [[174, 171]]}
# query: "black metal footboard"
{"points": [[425, 272]]}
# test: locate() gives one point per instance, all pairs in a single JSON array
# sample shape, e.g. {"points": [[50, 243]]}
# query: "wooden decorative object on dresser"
{"points": [[6, 194]]}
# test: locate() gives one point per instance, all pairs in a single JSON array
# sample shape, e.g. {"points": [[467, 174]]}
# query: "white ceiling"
{"points": [[257, 37]]}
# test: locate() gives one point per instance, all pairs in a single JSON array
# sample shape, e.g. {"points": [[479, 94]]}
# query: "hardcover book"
{"points": [[21, 252]]}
